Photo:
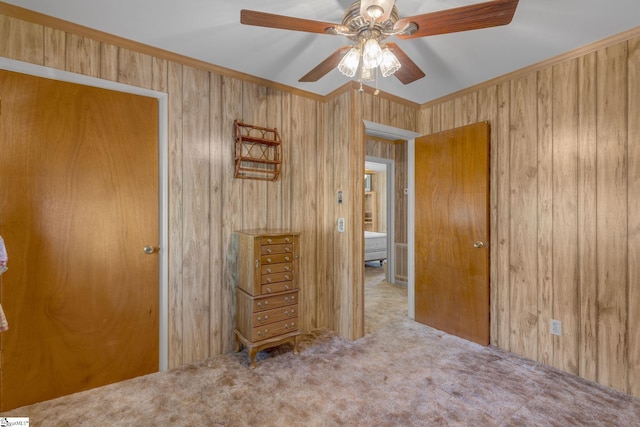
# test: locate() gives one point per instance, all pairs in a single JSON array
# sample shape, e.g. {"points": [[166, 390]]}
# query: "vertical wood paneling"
{"points": [[134, 68], [176, 284], [219, 160], [21, 40], [254, 192], [634, 217], [545, 259], [196, 193], [523, 217], [502, 279], [447, 115], [356, 223], [109, 62], [587, 159], [303, 166], [54, 48], [487, 104], [232, 206], [323, 174], [466, 109], [612, 216], [565, 215], [274, 189], [82, 55]]}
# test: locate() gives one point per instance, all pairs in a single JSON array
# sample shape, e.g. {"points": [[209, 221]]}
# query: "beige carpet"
{"points": [[384, 302], [402, 374]]}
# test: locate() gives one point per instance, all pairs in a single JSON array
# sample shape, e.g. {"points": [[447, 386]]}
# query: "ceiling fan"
{"points": [[369, 22]]}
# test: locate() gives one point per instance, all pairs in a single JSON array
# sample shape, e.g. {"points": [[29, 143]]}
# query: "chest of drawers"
{"points": [[268, 290]]}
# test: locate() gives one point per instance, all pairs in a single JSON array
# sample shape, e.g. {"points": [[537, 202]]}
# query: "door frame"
{"points": [[163, 162], [389, 166], [390, 132]]}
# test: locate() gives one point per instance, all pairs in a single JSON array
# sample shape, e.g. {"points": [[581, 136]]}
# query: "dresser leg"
{"points": [[252, 357], [295, 345], [238, 344]]}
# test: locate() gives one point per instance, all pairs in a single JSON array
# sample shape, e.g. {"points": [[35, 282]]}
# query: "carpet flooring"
{"points": [[401, 373]]}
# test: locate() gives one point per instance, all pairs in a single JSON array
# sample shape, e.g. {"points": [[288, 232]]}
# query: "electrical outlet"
{"points": [[556, 327]]}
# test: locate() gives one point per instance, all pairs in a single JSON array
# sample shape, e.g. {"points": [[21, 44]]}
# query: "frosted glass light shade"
{"points": [[368, 74], [371, 54], [349, 63], [389, 63]]}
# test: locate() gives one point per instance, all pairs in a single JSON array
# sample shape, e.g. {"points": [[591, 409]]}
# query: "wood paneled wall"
{"points": [[565, 181], [323, 152]]}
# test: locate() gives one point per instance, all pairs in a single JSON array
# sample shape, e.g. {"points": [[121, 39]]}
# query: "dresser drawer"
{"points": [[277, 268], [268, 279], [275, 301], [276, 249], [274, 288], [277, 315], [274, 329], [276, 259], [276, 240]]}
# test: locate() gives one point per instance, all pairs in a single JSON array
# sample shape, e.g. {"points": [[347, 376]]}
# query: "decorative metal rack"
{"points": [[258, 153]]}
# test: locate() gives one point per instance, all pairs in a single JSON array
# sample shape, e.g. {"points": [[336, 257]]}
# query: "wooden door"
{"points": [[78, 202], [452, 231]]}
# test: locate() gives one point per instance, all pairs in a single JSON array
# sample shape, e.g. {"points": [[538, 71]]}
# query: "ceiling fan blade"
{"points": [[409, 71], [325, 66], [482, 15], [270, 20]]}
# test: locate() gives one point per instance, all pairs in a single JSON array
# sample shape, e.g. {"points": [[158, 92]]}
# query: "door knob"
{"points": [[149, 250], [479, 244]]}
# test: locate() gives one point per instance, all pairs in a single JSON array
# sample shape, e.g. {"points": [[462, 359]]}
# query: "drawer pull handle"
{"points": [[287, 268], [269, 260], [287, 249], [286, 287], [287, 277], [286, 299], [260, 319], [268, 251], [286, 259], [268, 279], [268, 290], [266, 303], [266, 331], [289, 313], [287, 240], [269, 240], [268, 270], [257, 263]]}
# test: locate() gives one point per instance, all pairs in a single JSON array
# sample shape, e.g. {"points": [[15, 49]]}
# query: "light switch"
{"points": [[340, 225]]}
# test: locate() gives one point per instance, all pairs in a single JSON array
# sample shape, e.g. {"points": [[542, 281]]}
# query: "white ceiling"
{"points": [[210, 30]]}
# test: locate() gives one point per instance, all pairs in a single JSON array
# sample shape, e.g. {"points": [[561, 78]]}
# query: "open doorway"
{"points": [[386, 296]]}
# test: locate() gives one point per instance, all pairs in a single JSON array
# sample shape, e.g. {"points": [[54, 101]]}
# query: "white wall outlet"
{"points": [[340, 225], [556, 327]]}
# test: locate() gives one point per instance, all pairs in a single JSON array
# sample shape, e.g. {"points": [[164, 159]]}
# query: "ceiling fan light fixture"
{"points": [[378, 10], [367, 74], [389, 63], [371, 54], [349, 63]]}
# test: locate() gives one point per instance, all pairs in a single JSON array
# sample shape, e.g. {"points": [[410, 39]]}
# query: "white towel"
{"points": [[3, 253], [3, 267], [3, 321]]}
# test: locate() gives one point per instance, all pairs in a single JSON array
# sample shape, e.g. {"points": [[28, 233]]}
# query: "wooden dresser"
{"points": [[268, 286]]}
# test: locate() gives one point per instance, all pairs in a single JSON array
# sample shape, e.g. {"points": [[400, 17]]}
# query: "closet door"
{"points": [[78, 205]]}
